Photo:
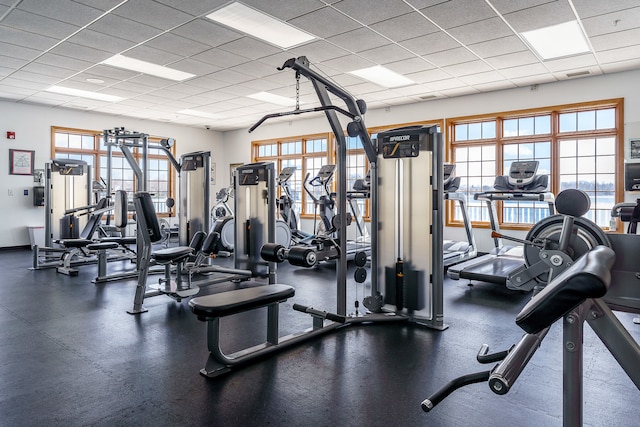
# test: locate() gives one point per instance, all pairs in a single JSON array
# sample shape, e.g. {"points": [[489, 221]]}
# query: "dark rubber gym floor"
{"points": [[70, 355]]}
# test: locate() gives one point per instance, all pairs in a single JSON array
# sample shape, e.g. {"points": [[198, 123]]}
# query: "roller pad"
{"points": [[588, 277], [237, 301]]}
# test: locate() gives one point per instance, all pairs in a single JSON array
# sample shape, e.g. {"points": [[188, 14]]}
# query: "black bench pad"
{"points": [[588, 277], [74, 243], [232, 302], [120, 240], [102, 245], [170, 254]]}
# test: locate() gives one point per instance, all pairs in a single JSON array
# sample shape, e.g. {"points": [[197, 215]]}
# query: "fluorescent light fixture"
{"points": [[259, 25], [383, 76], [145, 67], [84, 94], [202, 114], [557, 41], [274, 99]]}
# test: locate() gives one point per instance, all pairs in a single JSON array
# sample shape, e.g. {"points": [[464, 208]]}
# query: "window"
{"points": [[307, 154], [578, 146], [88, 145]]}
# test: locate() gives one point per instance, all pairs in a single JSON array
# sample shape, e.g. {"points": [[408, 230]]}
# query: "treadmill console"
{"points": [[448, 169], [522, 173], [326, 173]]}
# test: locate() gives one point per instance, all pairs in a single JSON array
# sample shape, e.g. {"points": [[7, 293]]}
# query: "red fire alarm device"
{"points": [[11, 135]]}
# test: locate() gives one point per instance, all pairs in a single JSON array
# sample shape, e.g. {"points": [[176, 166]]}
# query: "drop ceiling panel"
{"points": [[107, 71], [482, 78], [84, 53], [106, 42], [35, 77], [25, 39], [502, 46], [407, 66], [13, 63], [207, 32], [512, 60], [99, 4], [18, 52], [621, 54], [255, 69], [64, 62], [369, 12], [487, 29], [250, 48], [405, 27], [524, 71], [220, 58], [347, 63], [571, 63], [177, 44], [194, 7], [358, 40], [386, 54], [48, 70], [155, 56], [61, 10], [24, 84], [613, 22], [152, 13], [286, 10], [124, 28], [325, 22], [430, 43], [429, 76], [617, 40], [450, 57], [468, 68], [454, 13], [589, 8], [37, 24], [192, 66]]}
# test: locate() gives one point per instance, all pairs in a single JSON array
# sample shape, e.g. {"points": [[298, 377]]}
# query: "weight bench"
{"points": [[211, 308]]}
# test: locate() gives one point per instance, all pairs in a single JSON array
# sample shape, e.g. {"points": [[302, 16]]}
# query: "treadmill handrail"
{"points": [[521, 195]]}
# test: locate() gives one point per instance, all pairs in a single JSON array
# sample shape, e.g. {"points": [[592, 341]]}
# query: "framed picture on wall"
{"points": [[634, 145], [21, 162]]}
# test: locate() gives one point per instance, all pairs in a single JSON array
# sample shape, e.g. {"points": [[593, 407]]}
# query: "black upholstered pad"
{"points": [[231, 302], [588, 277], [102, 245], [74, 243], [120, 240], [170, 254]]}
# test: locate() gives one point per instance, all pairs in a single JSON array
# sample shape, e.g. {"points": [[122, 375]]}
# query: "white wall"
{"points": [[619, 85], [32, 125]]}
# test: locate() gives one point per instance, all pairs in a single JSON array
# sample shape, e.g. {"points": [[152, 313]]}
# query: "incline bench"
{"points": [[211, 308]]}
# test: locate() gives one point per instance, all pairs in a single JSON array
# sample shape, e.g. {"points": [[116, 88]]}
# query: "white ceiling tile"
{"points": [[250, 48], [48, 70], [61, 10], [358, 40], [430, 43], [133, 87], [622, 54], [571, 63], [194, 7], [512, 60], [229, 76], [429, 75], [481, 78], [451, 57], [152, 13], [186, 89], [467, 68], [407, 66], [446, 84], [220, 58], [207, 32], [405, 27], [524, 71], [34, 77], [387, 54], [543, 15], [84, 53], [612, 23], [7, 88], [99, 4], [529, 80], [453, 92], [42, 100], [454, 13], [348, 63], [25, 39], [81, 84], [24, 84], [286, 10], [64, 62], [18, 52], [177, 44], [155, 56], [617, 40], [254, 69], [493, 86], [37, 24], [192, 66], [135, 103], [369, 12], [102, 71], [106, 42], [325, 22], [501, 46], [8, 96], [589, 8], [487, 29], [124, 28], [614, 67], [14, 63], [152, 81], [206, 83]]}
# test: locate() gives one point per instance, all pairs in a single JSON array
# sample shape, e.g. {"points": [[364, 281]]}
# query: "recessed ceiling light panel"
{"points": [[557, 41], [127, 63], [84, 94], [383, 76], [260, 25]]}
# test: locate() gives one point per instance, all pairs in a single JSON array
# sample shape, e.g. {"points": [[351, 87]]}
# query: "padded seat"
{"points": [[237, 301], [172, 254], [74, 243], [120, 240], [102, 245]]}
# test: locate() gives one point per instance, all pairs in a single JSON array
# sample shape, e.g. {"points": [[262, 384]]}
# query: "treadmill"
{"points": [[522, 184], [457, 251]]}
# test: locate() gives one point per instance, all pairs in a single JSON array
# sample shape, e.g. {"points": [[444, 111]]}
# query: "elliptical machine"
{"points": [[285, 207]]}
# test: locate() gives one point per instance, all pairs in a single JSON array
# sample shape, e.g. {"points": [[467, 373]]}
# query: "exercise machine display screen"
{"points": [[522, 173]]}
